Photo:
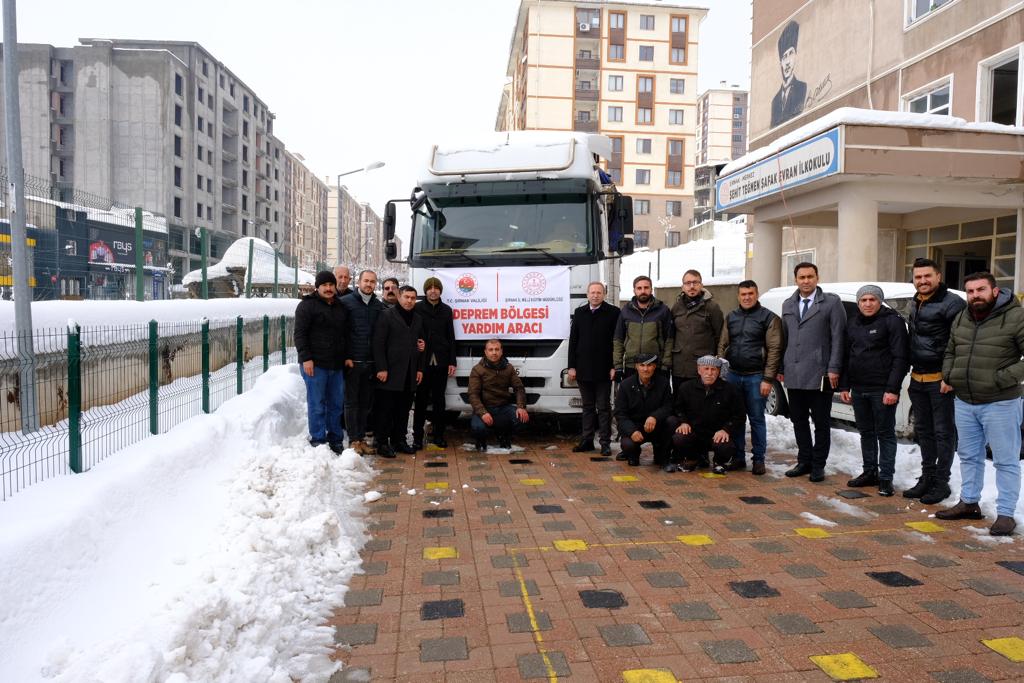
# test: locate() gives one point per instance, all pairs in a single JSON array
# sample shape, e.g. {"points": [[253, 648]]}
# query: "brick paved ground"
{"points": [[547, 565]]}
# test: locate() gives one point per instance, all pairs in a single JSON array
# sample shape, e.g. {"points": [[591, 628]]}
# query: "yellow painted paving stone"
{"points": [[570, 545], [435, 447], [437, 485], [925, 527], [624, 478], [440, 553], [1012, 648], [813, 532], [649, 676], [695, 539], [712, 475], [844, 667], [531, 482]]}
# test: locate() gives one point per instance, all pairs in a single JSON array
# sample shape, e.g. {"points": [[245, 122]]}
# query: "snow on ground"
{"points": [[214, 552], [815, 519]]}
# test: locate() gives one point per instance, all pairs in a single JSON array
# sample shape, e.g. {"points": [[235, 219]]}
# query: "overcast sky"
{"points": [[355, 82]]}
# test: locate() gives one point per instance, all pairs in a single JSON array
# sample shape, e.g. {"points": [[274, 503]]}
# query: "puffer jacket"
{"points": [[983, 357], [489, 385], [362, 321], [752, 342], [929, 323], [642, 331], [695, 332], [876, 355], [320, 332]]}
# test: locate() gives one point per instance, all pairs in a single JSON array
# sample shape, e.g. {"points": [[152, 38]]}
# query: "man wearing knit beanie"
{"points": [[439, 365]]}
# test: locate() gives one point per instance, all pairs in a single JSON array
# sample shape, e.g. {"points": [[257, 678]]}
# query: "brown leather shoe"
{"points": [[961, 510], [758, 467], [1004, 526]]}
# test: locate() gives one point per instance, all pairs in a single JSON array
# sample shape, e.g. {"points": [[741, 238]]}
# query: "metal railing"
{"points": [[102, 388]]}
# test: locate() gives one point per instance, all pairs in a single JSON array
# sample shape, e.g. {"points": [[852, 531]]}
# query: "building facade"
{"points": [[345, 227], [305, 214], [721, 124], [625, 70], [887, 132]]}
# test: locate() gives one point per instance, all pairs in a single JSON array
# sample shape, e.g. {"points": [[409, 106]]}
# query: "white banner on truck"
{"points": [[509, 303]]}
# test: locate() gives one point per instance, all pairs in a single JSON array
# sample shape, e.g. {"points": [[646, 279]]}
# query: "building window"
{"points": [[177, 145], [675, 148], [672, 238], [643, 146], [177, 176], [646, 53], [199, 152], [616, 20], [794, 258], [737, 124], [245, 129], [678, 24], [200, 95], [177, 114], [615, 114], [737, 112], [641, 238], [1000, 99], [221, 80], [231, 89], [245, 103], [616, 174], [646, 22], [615, 83], [209, 157], [737, 138], [674, 179], [643, 176], [199, 181], [245, 202], [245, 178], [179, 84], [677, 86], [177, 207], [245, 153], [209, 101], [645, 84], [675, 117], [209, 185], [678, 56], [643, 115], [199, 210], [616, 53], [917, 9], [641, 207], [584, 54], [206, 68], [209, 213], [935, 101], [200, 124], [583, 116], [673, 208]]}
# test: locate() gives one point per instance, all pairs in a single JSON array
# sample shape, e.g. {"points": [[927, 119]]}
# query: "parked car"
{"points": [[898, 296]]}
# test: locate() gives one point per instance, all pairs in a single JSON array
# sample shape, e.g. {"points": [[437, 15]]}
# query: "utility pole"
{"points": [[16, 215]]}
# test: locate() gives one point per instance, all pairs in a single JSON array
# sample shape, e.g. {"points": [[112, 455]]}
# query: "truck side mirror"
{"points": [[620, 224], [625, 246], [389, 222], [390, 251]]}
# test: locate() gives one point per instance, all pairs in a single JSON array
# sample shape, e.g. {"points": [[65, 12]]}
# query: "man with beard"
{"points": [[931, 315], [642, 330], [390, 288], [493, 383], [363, 309], [439, 365], [983, 365], [399, 365], [590, 366], [696, 326], [343, 274]]}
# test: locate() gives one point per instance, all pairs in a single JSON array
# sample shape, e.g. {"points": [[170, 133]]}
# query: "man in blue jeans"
{"points": [[498, 397], [752, 344], [983, 365], [320, 322]]}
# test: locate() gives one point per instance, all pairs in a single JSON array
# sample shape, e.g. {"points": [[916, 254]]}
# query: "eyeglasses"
{"points": [[691, 283]]}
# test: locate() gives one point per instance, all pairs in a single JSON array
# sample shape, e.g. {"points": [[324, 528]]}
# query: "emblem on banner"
{"points": [[467, 283], [534, 283]]}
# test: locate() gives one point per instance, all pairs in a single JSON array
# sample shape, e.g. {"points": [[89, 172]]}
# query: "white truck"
{"points": [[516, 226]]}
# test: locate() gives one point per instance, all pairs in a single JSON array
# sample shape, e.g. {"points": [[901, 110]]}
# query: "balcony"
{"points": [[588, 94], [228, 128], [228, 154], [228, 207], [588, 63], [585, 126]]}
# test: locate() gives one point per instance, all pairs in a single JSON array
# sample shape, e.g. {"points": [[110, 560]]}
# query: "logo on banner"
{"points": [[534, 283], [467, 283]]}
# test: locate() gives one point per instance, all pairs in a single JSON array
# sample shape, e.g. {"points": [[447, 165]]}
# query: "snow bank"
{"points": [[215, 552], [263, 257]]}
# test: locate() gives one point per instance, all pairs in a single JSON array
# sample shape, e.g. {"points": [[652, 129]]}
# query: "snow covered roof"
{"points": [[262, 265], [866, 117], [115, 215], [721, 260]]}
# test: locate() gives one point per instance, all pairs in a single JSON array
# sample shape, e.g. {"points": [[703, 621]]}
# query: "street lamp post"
{"points": [[341, 212]]}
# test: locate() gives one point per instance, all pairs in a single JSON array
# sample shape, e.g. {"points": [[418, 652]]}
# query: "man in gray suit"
{"points": [[815, 324]]}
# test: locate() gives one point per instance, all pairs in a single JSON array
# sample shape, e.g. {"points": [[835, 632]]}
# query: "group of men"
{"points": [[362, 355], [689, 379]]}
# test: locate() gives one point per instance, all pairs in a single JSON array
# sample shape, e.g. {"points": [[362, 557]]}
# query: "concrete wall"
{"points": [[34, 95]]}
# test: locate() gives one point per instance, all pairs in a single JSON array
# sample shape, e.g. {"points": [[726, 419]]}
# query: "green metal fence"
{"points": [[101, 388]]}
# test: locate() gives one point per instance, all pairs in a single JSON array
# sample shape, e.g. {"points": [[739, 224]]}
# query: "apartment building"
{"points": [[345, 227], [627, 70], [159, 124], [305, 213], [721, 137], [888, 131]]}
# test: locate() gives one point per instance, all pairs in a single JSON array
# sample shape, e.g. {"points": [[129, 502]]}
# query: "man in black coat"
{"points": [[706, 412], [439, 365], [320, 322], [876, 360], [643, 404], [399, 364], [363, 308], [591, 366]]}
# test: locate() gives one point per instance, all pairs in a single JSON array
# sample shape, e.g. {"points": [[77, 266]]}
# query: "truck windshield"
{"points": [[539, 228]]}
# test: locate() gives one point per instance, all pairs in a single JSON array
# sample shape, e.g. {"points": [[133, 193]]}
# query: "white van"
{"points": [[898, 295]]}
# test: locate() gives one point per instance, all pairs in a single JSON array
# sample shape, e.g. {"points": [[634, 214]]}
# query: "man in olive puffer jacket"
{"points": [[983, 364], [643, 328]]}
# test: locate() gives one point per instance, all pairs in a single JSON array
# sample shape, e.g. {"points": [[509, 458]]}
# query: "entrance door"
{"points": [[960, 260]]}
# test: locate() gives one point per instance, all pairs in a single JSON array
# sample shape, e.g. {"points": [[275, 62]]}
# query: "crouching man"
{"points": [[706, 413], [643, 404], [492, 383]]}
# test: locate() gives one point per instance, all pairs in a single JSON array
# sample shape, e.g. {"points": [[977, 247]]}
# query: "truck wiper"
{"points": [[554, 257], [451, 252]]}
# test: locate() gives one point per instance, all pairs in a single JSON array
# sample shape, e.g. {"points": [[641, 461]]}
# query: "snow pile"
{"points": [[214, 552], [263, 257]]}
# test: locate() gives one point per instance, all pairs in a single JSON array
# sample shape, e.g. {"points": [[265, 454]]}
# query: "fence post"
{"points": [[140, 264], [154, 380], [248, 272], [284, 341], [266, 343], [239, 355], [206, 365], [74, 397]]}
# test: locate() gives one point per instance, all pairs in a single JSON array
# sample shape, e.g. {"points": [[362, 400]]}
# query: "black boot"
{"points": [[885, 487], [481, 445], [924, 483], [799, 470], [583, 447], [938, 492], [866, 478]]}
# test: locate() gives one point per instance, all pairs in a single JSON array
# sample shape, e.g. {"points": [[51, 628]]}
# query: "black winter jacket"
{"points": [[708, 409], [320, 332], [590, 341], [634, 403], [930, 321], [877, 352], [752, 342], [439, 333], [362, 320]]}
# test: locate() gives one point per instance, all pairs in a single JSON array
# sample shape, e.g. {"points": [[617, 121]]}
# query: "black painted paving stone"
{"points": [[441, 578], [364, 598], [548, 509], [436, 463], [753, 589], [624, 635], [511, 589], [509, 561], [849, 553], [947, 610], [438, 514], [793, 624], [596, 458], [847, 599], [935, 561], [561, 525], [608, 514], [986, 587], [1012, 566], [520, 461], [508, 538], [899, 636], [666, 580], [642, 553], [355, 634], [851, 494], [894, 579], [959, 676], [443, 649], [741, 526], [442, 609], [694, 611], [536, 665], [606, 599], [520, 622], [771, 547], [757, 500], [722, 562], [577, 569], [729, 651], [803, 571], [653, 504]]}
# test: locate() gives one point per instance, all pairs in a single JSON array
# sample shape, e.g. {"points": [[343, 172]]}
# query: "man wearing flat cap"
{"points": [[439, 365], [789, 100], [643, 404], [705, 413]]}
